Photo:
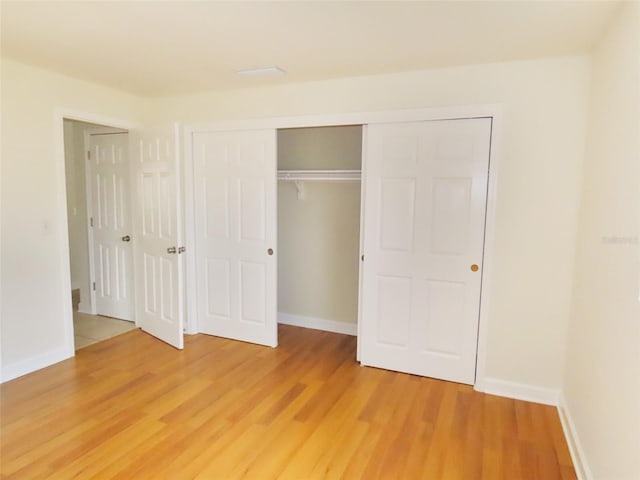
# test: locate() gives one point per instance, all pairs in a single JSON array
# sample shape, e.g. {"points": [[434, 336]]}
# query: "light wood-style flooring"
{"points": [[132, 407]]}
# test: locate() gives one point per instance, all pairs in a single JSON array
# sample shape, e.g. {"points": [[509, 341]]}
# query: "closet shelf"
{"points": [[320, 175]]}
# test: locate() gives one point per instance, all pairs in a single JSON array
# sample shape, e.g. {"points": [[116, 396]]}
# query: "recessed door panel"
{"points": [[451, 208], [252, 292], [397, 204], [215, 206], [218, 288], [444, 317], [252, 208], [150, 297], [393, 311]]}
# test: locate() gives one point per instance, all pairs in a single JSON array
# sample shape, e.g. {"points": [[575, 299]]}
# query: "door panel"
{"points": [[425, 198], [235, 213], [156, 164], [108, 174]]}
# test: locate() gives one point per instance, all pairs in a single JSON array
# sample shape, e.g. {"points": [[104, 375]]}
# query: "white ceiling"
{"points": [[162, 48]]}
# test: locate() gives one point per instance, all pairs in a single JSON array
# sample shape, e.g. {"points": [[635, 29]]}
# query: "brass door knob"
{"points": [[474, 268]]}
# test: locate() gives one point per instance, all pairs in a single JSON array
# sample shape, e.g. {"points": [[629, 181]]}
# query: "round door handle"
{"points": [[270, 251], [474, 268], [126, 238]]}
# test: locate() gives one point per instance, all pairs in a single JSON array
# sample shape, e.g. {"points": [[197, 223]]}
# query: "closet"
{"points": [[319, 173], [374, 228]]}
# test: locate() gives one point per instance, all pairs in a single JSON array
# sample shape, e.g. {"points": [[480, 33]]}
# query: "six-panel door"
{"points": [[425, 204], [159, 284], [235, 223], [108, 176]]}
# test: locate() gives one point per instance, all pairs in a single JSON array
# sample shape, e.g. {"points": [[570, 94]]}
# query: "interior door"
{"points": [[426, 189], [158, 237], [110, 223], [235, 220]]}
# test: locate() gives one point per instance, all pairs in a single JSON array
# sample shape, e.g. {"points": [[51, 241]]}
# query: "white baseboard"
{"points": [[583, 472], [318, 324], [18, 369], [84, 308], [521, 391]]}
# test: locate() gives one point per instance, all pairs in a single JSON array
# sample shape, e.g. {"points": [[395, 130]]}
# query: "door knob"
{"points": [[270, 251], [171, 250], [126, 238], [474, 268]]}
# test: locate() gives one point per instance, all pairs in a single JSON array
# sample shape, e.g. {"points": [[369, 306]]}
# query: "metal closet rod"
{"points": [[320, 175]]}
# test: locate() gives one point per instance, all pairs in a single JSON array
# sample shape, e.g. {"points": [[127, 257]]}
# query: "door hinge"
{"points": [[88, 154], [182, 249], [91, 221], [94, 286]]}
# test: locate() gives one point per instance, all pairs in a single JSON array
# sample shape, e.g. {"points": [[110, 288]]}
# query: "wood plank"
{"points": [[131, 407]]}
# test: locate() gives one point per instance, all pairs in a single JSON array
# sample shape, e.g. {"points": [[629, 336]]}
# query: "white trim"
{"points": [[317, 323], [363, 166], [59, 115], [88, 194], [189, 226], [360, 118], [489, 248], [580, 464], [23, 367], [85, 308], [521, 391]]}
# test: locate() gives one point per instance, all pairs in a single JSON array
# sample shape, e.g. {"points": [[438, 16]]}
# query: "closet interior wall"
{"points": [[319, 228]]}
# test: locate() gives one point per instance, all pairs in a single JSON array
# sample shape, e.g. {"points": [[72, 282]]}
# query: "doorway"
{"points": [[98, 212], [319, 190]]}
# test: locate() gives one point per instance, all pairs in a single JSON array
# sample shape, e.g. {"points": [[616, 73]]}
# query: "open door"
{"points": [[108, 173], [157, 240], [235, 220]]}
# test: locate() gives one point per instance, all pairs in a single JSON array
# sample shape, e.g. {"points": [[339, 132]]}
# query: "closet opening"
{"points": [[319, 215]]}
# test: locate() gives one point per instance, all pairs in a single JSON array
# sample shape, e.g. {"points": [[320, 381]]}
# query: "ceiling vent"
{"points": [[261, 72]]}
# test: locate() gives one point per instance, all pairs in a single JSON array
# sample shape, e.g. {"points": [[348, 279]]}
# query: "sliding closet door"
{"points": [[425, 202], [235, 220]]}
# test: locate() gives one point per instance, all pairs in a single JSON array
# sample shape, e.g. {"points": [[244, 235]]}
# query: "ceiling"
{"points": [[162, 48]]}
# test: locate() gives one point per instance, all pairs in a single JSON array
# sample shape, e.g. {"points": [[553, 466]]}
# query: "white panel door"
{"points": [[235, 220], [108, 177], [158, 238], [425, 203]]}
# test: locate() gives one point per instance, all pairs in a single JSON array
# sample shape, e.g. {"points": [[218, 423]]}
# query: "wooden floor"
{"points": [[132, 407]]}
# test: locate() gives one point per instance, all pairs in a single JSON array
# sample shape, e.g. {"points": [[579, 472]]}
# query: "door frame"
{"points": [[59, 115], [103, 130], [493, 111]]}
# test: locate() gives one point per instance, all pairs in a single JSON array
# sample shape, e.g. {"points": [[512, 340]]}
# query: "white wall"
{"points": [[542, 149], [538, 192], [320, 148], [34, 305], [319, 233], [602, 378]]}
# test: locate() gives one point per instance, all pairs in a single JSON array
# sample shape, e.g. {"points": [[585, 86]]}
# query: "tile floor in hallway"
{"points": [[90, 329]]}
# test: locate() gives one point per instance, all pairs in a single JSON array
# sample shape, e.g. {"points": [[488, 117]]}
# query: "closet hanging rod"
{"points": [[321, 175]]}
